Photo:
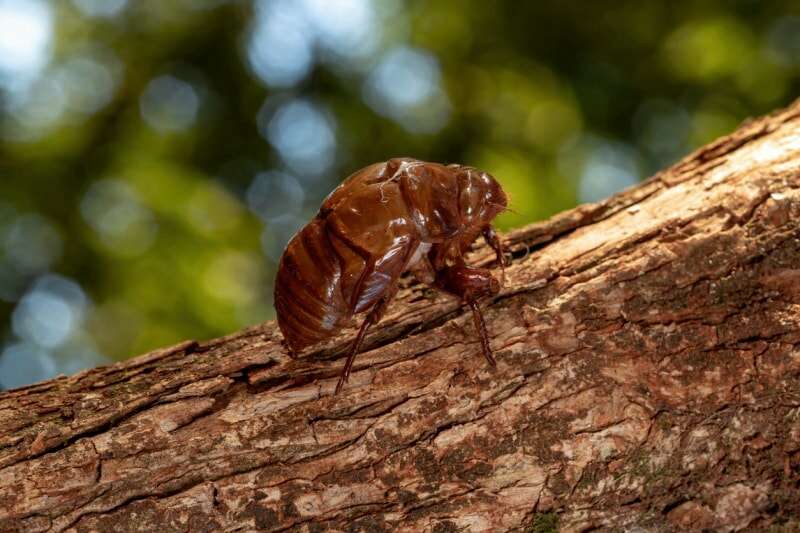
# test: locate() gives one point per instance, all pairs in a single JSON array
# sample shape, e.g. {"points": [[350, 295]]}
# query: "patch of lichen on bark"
{"points": [[789, 526], [543, 523]]}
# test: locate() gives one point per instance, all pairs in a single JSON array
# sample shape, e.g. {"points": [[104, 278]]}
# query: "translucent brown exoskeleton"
{"points": [[382, 221]]}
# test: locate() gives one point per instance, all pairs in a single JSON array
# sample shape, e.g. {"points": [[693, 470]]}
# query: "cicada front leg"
{"points": [[469, 284]]}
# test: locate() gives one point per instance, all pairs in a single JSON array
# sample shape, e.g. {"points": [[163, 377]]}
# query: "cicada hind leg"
{"points": [[373, 317]]}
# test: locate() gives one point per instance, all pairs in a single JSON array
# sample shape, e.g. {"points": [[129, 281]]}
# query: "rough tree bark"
{"points": [[648, 375]]}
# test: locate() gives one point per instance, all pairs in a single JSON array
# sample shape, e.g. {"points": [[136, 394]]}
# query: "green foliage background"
{"points": [[534, 92]]}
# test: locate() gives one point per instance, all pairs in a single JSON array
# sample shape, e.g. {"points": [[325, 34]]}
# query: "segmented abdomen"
{"points": [[308, 292]]}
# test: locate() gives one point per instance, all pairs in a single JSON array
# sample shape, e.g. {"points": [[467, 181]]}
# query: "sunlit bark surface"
{"points": [[648, 375]]}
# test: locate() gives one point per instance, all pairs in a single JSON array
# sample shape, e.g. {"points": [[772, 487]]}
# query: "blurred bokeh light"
{"points": [[155, 157], [26, 34]]}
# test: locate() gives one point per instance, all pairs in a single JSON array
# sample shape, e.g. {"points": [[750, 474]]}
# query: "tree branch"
{"points": [[648, 375]]}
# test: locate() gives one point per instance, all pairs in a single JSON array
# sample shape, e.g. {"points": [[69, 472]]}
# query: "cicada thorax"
{"points": [[451, 205], [372, 223]]}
